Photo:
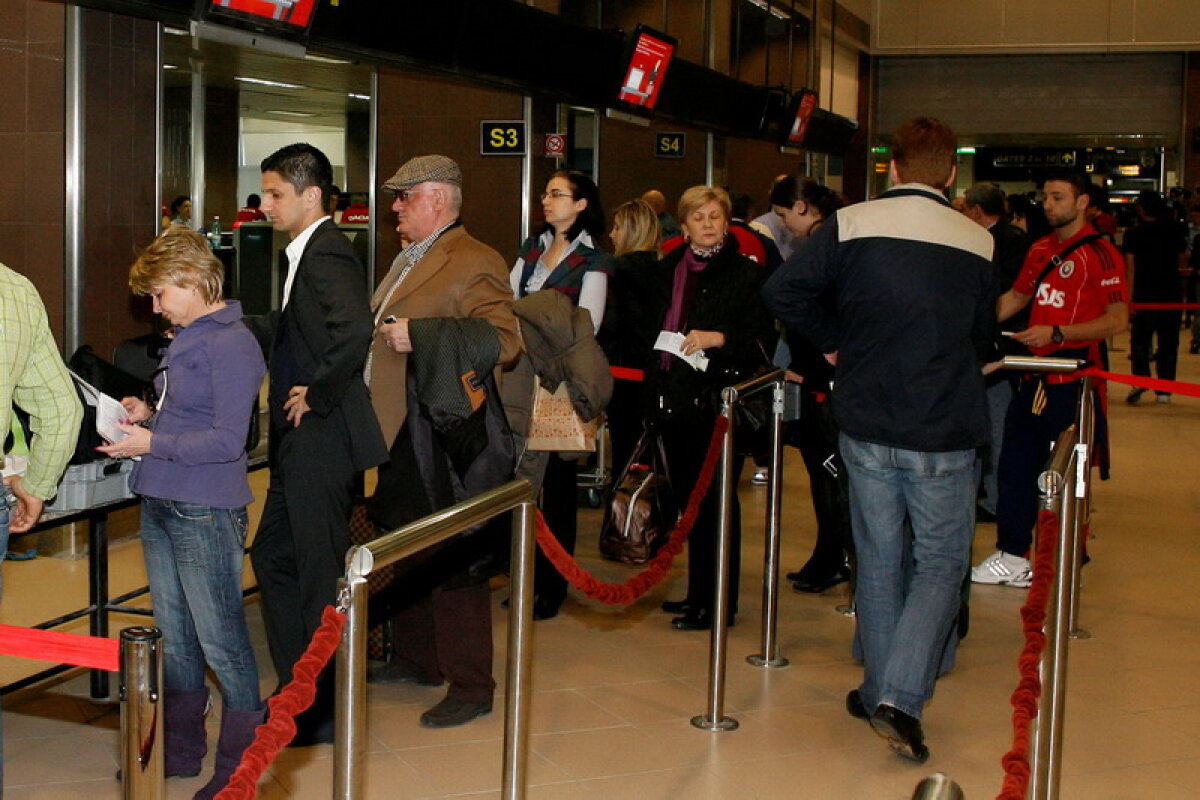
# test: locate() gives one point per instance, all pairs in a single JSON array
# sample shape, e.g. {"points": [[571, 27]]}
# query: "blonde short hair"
{"points": [[640, 225], [698, 196], [181, 257]]}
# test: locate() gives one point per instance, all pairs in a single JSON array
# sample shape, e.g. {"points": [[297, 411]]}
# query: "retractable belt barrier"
{"points": [[136, 657]]}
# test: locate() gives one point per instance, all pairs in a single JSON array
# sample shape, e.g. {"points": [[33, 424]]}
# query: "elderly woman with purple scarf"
{"points": [[709, 293]]}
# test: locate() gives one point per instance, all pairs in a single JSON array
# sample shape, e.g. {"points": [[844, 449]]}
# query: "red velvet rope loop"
{"points": [[660, 565], [65, 648], [274, 734], [1029, 686]]}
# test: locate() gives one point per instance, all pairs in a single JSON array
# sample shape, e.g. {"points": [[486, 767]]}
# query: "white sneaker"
{"points": [[1003, 569], [761, 476]]}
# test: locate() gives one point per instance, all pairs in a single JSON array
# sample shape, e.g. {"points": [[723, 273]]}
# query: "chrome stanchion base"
{"points": [[1080, 633], [723, 724], [767, 663]]}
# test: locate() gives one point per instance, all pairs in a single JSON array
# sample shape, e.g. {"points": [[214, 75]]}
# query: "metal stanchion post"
{"points": [[520, 620], [350, 726], [1082, 497], [141, 714], [715, 719], [769, 655], [937, 787], [1058, 485]]}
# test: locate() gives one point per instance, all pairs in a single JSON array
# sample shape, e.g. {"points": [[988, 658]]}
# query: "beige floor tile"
{"points": [[650, 701], [472, 767], [693, 783]]}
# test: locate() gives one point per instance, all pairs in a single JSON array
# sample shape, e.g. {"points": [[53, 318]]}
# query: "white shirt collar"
{"points": [[295, 251]]}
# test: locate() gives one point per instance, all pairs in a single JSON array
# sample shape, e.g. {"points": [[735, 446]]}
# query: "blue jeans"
{"points": [[194, 561], [987, 466], [904, 629]]}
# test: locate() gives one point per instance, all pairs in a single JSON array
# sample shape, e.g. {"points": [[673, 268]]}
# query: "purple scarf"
{"points": [[686, 271]]}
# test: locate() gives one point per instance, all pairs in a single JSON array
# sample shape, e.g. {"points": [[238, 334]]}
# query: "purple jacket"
{"points": [[213, 371]]}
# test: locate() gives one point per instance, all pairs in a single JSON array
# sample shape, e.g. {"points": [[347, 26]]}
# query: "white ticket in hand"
{"points": [[672, 342], [109, 411]]}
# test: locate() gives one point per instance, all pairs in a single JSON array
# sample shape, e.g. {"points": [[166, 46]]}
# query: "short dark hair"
{"points": [[987, 197], [301, 165], [788, 191], [177, 202], [1077, 180], [253, 200], [924, 151], [1097, 196], [741, 204], [1152, 204]]}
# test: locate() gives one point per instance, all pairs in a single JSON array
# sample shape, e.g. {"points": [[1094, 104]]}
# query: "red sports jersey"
{"points": [[1090, 279]]}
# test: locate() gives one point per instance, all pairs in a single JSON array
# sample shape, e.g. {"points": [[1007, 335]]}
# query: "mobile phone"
{"points": [[390, 319]]}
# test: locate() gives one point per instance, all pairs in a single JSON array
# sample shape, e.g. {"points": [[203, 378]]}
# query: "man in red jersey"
{"points": [[1076, 280]]}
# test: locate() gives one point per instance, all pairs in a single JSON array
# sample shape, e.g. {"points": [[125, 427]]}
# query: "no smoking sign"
{"points": [[556, 145]]}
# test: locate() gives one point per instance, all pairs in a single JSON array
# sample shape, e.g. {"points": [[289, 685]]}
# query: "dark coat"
{"points": [[727, 298], [320, 340]]}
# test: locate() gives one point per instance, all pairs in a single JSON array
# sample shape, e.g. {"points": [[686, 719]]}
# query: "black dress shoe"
{"points": [[307, 735], [545, 609], [795, 576], [903, 732], [677, 606], [824, 583], [697, 620], [855, 706], [399, 672], [452, 711]]}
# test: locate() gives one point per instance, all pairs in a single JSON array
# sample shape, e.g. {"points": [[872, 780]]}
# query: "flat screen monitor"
{"points": [[800, 114], [286, 19], [647, 58]]}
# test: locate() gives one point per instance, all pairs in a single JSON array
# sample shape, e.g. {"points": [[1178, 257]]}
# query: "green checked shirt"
{"points": [[33, 376]]}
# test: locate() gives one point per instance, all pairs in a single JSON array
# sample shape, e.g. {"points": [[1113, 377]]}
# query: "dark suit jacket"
{"points": [[321, 338]]}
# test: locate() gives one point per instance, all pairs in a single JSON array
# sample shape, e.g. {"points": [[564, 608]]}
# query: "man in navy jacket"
{"points": [[912, 326]]}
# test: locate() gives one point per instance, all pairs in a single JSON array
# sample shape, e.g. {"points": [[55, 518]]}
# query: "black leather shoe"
{"points": [[545, 609], [398, 672], [697, 620], [307, 735], [452, 711], [854, 705], [822, 584], [794, 576], [677, 606], [903, 732]]}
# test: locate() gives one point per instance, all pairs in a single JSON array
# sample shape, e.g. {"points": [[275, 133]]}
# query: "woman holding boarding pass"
{"points": [[192, 479]]}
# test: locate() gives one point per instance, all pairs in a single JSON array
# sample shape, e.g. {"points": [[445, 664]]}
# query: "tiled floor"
{"points": [[614, 688]]}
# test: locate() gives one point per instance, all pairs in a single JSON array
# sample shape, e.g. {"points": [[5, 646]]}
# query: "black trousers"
{"points": [[815, 434], [300, 548], [686, 446], [1146, 326], [560, 509], [446, 632]]}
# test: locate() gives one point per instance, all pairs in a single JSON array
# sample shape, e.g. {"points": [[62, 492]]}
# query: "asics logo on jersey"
{"points": [[1046, 296]]}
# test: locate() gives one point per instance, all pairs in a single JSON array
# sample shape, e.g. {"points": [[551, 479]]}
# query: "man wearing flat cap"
{"points": [[444, 633]]}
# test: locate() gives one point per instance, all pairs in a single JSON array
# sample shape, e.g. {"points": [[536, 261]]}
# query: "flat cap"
{"points": [[439, 169]]}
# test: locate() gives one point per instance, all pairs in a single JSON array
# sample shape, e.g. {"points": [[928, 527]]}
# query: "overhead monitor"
{"points": [[799, 117], [647, 58], [287, 19]]}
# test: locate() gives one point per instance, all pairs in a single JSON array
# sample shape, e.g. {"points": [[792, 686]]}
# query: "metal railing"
{"points": [[714, 719], [1065, 487], [351, 722]]}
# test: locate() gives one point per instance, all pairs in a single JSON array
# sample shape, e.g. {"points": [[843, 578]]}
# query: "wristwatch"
{"points": [[1056, 335]]}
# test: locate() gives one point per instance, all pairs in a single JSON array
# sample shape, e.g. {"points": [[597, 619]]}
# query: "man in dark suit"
{"points": [[322, 428]]}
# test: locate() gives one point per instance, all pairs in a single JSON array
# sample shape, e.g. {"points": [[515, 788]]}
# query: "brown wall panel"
{"points": [[120, 208], [419, 115], [222, 131], [31, 146], [628, 166], [1190, 146], [751, 167]]}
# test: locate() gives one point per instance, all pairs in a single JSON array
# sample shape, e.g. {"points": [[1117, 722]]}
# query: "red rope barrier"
{"points": [[627, 373], [1145, 382], [1029, 687], [280, 727], [660, 565], [65, 648]]}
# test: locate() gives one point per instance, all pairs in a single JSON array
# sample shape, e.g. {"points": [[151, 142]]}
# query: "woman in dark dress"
{"points": [[636, 235], [711, 294], [802, 205]]}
